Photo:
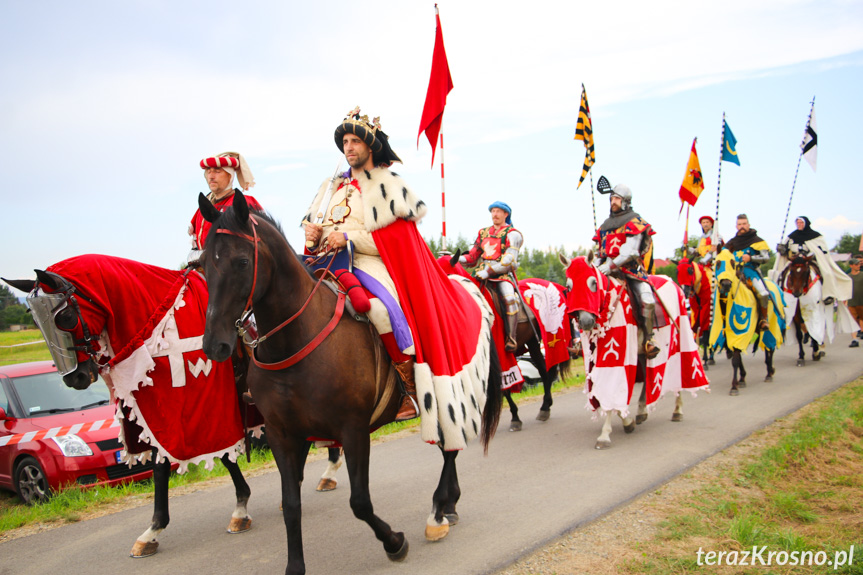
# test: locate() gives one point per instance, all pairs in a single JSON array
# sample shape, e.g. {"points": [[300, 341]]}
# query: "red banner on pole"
{"points": [[440, 84]]}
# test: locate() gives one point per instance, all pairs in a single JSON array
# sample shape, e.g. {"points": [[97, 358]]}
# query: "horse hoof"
{"points": [[704, 365], [801, 362], [515, 426], [741, 384], [676, 417], [452, 518], [640, 418], [733, 392], [769, 378], [436, 532], [326, 484], [818, 356], [141, 550], [401, 553], [629, 428], [543, 415], [603, 444], [239, 525], [711, 361]]}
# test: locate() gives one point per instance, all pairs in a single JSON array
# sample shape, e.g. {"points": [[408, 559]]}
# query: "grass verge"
{"points": [[800, 499]]}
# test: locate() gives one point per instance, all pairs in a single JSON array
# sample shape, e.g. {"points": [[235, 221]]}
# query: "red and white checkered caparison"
{"points": [[220, 162]]}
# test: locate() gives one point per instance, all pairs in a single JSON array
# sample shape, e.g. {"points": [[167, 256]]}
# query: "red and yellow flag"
{"points": [[693, 183]]}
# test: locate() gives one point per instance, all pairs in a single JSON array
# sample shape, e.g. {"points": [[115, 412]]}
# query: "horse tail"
{"points": [[493, 400], [564, 369]]}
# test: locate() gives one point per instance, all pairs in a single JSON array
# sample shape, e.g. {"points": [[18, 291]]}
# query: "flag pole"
{"points": [[686, 231], [714, 240], [442, 193], [794, 184], [592, 201]]}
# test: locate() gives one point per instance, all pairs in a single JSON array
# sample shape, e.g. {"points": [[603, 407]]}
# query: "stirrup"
{"points": [[650, 349], [408, 409]]}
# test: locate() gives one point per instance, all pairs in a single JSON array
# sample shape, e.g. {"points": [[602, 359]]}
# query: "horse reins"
{"points": [[309, 347]]}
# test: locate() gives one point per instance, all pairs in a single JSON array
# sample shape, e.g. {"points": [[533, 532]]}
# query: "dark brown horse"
{"points": [[337, 391], [802, 280]]}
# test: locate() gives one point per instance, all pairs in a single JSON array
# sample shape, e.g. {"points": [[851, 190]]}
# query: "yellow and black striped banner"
{"points": [[584, 132]]}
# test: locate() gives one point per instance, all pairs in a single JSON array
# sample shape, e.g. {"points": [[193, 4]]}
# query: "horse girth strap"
{"points": [[309, 347]]}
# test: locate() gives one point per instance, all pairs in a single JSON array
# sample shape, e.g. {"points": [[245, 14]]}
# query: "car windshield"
{"points": [[46, 393]]}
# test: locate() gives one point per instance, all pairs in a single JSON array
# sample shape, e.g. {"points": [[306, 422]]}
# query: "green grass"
{"points": [[789, 499], [22, 353]]}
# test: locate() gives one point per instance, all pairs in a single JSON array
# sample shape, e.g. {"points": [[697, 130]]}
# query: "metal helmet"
{"points": [[623, 192]]}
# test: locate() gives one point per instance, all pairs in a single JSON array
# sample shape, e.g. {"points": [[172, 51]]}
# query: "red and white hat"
{"points": [[234, 164]]}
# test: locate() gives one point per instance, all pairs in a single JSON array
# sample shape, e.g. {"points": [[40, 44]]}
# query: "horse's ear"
{"points": [[674, 261], [590, 256], [241, 207], [564, 260], [25, 286], [49, 280], [453, 261], [208, 210]]}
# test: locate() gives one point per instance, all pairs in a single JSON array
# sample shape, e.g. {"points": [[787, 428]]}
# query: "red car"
{"points": [[33, 398]]}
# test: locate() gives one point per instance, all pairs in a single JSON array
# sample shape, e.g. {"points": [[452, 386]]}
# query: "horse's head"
{"points": [[586, 288], [238, 267], [726, 272], [69, 321], [797, 280], [686, 275]]}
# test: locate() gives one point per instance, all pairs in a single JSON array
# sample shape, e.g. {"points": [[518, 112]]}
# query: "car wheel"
{"points": [[30, 482]]}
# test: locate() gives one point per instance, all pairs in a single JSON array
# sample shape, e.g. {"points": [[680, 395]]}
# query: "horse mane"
{"points": [[228, 221]]}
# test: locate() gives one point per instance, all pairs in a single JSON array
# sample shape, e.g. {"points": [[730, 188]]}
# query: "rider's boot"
{"points": [[651, 350], [763, 301], [511, 327], [409, 408]]}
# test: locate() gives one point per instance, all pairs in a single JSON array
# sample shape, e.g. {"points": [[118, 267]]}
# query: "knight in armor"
{"points": [[751, 251], [219, 172], [803, 242], [626, 250], [495, 256]]}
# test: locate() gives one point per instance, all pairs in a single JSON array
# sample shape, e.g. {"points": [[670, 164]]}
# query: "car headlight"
{"points": [[72, 446]]}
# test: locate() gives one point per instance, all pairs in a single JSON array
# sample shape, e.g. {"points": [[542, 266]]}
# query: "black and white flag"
{"points": [[810, 141]]}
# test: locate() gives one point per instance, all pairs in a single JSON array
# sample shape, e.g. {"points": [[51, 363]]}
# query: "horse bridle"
{"points": [[247, 310], [84, 344]]}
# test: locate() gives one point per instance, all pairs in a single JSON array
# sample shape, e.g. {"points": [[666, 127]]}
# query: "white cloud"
{"points": [[838, 223]]}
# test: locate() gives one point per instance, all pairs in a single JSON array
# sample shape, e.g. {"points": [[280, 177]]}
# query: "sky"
{"points": [[107, 107]]}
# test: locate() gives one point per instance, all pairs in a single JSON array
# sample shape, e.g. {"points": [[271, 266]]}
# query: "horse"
{"points": [[339, 384], [610, 336], [527, 336], [141, 326], [694, 278], [801, 280], [734, 324]]}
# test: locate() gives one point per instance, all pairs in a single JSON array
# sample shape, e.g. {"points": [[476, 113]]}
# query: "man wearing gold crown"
{"points": [[219, 172], [417, 310], [626, 250], [497, 247]]}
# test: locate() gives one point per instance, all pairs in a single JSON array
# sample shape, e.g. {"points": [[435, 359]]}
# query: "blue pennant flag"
{"points": [[729, 147]]}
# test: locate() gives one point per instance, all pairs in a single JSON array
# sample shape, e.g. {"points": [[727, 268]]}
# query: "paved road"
{"points": [[534, 486]]}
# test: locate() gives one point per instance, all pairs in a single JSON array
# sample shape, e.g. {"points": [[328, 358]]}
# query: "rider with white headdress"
{"points": [[804, 241]]}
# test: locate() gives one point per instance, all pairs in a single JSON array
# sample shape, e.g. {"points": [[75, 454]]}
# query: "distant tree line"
{"points": [[11, 311]]}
